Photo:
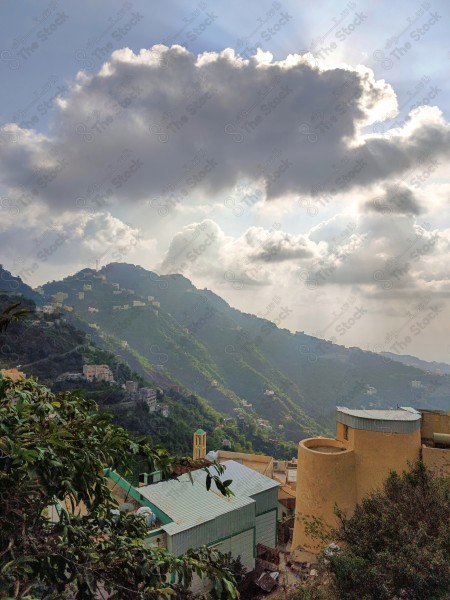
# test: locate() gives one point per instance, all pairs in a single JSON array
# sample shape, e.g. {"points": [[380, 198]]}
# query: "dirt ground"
{"points": [[288, 582]]}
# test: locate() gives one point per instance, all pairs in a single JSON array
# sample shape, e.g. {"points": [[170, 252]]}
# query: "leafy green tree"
{"points": [[396, 544], [53, 451]]}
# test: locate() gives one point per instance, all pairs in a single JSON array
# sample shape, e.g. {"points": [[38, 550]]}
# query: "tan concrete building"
{"points": [[435, 432], [369, 444], [98, 372], [257, 462]]}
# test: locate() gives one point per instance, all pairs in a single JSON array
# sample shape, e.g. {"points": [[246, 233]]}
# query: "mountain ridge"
{"points": [[294, 381], [275, 384], [440, 368]]}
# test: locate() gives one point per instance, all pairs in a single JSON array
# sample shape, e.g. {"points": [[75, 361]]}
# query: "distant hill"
{"points": [[440, 368], [42, 345], [12, 285], [46, 346], [293, 382]]}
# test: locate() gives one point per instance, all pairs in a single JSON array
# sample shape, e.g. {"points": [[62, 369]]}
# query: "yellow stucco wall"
{"points": [[434, 422], [437, 460], [322, 479], [379, 453], [257, 462], [345, 478]]}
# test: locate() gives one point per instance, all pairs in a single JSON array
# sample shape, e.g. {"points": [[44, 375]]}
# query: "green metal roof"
{"points": [[200, 431], [246, 481], [188, 503]]}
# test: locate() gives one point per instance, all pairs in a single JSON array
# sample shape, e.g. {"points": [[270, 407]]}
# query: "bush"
{"points": [[396, 544]]}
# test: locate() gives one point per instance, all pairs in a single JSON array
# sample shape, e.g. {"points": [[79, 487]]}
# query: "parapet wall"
{"points": [[437, 460], [434, 421]]}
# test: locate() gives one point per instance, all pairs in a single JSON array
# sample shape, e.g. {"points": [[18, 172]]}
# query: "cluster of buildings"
{"points": [[340, 471], [369, 444], [188, 515], [182, 513], [134, 393], [60, 299], [147, 395], [98, 373]]}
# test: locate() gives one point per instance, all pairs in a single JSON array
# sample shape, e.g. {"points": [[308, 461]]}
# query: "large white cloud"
{"points": [[40, 247], [358, 279], [202, 153], [387, 256], [168, 127]]}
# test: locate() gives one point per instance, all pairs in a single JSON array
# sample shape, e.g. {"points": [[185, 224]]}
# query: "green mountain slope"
{"points": [[46, 346], [192, 336], [13, 285]]}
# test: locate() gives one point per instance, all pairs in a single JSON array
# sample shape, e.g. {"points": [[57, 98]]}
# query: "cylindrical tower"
{"points": [[325, 477], [369, 445], [383, 441]]}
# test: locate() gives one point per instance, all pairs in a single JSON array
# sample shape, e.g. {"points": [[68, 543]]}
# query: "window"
{"points": [[345, 432]]}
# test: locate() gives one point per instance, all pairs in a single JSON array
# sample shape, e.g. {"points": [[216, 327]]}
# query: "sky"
{"points": [[292, 157]]}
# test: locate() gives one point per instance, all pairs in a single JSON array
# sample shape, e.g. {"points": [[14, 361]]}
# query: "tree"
{"points": [[53, 450], [11, 313], [396, 544]]}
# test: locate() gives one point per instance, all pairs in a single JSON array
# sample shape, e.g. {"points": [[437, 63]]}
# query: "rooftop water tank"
{"points": [[148, 514]]}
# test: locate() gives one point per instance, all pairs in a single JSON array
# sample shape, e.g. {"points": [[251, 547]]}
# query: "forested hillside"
{"points": [[46, 347], [232, 359]]}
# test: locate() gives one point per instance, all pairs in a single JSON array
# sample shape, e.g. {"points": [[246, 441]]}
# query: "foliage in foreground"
{"points": [[396, 544], [53, 449]]}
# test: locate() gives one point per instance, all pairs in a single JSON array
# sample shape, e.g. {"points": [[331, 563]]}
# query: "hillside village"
{"points": [[343, 470], [262, 523], [224, 300], [241, 375]]}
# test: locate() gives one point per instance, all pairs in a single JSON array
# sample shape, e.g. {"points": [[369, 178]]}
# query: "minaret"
{"points": [[199, 448]]}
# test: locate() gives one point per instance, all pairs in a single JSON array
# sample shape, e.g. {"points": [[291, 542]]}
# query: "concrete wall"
{"points": [[437, 460], [379, 453], [434, 422], [326, 477], [258, 462]]}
